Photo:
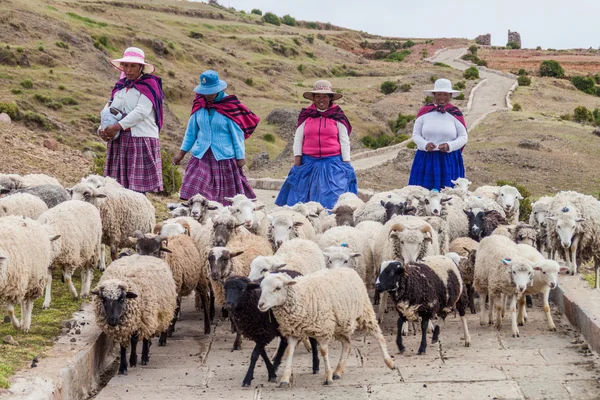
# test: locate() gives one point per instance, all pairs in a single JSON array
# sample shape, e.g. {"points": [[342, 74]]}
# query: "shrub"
{"points": [[69, 101], [171, 73], [524, 80], [269, 137], [525, 204], [42, 98], [103, 40], [98, 162], [196, 35], [256, 11], [513, 45], [297, 41], [401, 122], [271, 18], [311, 55], [288, 20], [428, 100], [86, 19], [20, 50], [460, 85], [311, 38], [62, 45], [55, 105], [551, 68], [411, 145], [301, 68], [469, 57], [93, 118], [597, 78], [441, 64], [249, 82], [61, 87], [596, 115], [397, 56], [522, 72], [31, 117], [16, 91], [408, 44], [320, 36], [41, 47], [460, 96], [517, 107], [471, 73], [481, 63], [582, 114], [566, 117], [586, 84], [10, 108], [433, 78], [598, 91], [424, 53], [538, 48], [388, 87], [405, 87], [473, 49], [382, 140], [171, 175]]}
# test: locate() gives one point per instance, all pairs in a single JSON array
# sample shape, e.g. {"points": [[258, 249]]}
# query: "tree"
{"points": [[256, 11], [552, 69]]}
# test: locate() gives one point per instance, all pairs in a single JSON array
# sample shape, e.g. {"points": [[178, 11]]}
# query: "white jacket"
{"points": [[140, 112]]}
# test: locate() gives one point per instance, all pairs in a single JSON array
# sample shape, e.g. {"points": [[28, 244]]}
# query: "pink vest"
{"points": [[321, 138]]}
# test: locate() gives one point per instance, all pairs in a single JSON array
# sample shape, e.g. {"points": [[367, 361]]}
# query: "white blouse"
{"points": [[140, 113], [439, 128]]}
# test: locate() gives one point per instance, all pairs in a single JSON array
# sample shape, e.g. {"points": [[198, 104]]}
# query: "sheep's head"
{"points": [[113, 295], [525, 234], [262, 265], [566, 225], [149, 244], [244, 211], [199, 206], [461, 183], [409, 244], [508, 197], [95, 180], [548, 271], [219, 260], [434, 201], [86, 192], [344, 215], [282, 229], [520, 272], [224, 227], [10, 182], [236, 290], [476, 218], [173, 228], [339, 257], [389, 277], [274, 288], [392, 209], [456, 258]]}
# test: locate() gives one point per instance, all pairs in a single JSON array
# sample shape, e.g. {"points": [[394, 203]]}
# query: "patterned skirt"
{"points": [[318, 179], [435, 169], [214, 179], [135, 162]]}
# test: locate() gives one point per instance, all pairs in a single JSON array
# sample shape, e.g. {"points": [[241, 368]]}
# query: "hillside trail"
{"points": [[490, 96]]}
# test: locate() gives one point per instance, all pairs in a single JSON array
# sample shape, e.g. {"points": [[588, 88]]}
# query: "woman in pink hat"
{"points": [[133, 150], [322, 169]]}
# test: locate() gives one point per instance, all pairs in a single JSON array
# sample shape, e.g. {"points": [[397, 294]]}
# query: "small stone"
{"points": [[8, 339], [78, 331], [36, 360], [73, 340], [260, 160], [51, 144], [529, 144], [595, 132], [585, 346], [5, 118], [424, 385], [89, 154], [6, 319]]}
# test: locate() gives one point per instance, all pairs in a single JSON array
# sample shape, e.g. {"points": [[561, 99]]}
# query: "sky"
{"points": [[547, 23]]}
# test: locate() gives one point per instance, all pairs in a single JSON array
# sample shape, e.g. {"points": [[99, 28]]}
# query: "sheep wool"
{"points": [[299, 255], [23, 204]]}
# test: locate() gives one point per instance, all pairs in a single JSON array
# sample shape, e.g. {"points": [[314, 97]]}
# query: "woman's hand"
{"points": [[110, 131], [444, 147], [241, 163], [430, 147], [177, 159], [297, 161]]}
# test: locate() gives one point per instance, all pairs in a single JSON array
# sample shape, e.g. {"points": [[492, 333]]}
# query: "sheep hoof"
{"points": [[271, 379], [467, 344], [336, 377], [328, 382], [433, 341], [521, 324], [144, 362], [553, 329], [248, 385], [315, 371], [284, 384]]}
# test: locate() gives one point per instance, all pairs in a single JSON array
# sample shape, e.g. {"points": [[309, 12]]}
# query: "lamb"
{"points": [[248, 213], [500, 271], [460, 189], [23, 204], [506, 196], [101, 181], [537, 219], [299, 255], [135, 299], [25, 255], [521, 233], [122, 211], [242, 302], [79, 246], [52, 195], [188, 269], [483, 223], [344, 307], [574, 229], [355, 242], [178, 210], [545, 278], [10, 182], [426, 290], [466, 248], [286, 225], [202, 209]]}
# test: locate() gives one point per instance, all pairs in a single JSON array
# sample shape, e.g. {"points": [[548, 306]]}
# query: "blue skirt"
{"points": [[435, 169], [318, 179]]}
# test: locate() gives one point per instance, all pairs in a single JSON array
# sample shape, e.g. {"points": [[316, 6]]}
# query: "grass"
{"points": [[45, 327], [86, 20]]}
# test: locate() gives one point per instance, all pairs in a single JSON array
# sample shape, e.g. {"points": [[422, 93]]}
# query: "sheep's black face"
{"points": [[475, 223], [389, 278], [114, 307], [222, 234], [235, 292], [148, 247]]}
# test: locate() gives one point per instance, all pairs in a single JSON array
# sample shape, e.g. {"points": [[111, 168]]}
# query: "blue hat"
{"points": [[210, 83]]}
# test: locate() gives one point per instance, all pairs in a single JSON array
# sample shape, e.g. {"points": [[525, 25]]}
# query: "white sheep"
{"points": [[249, 213], [371, 230], [311, 213], [300, 255], [25, 255], [79, 246], [500, 271], [286, 225], [202, 209], [441, 228], [506, 196], [101, 181], [539, 211], [460, 189], [343, 307], [481, 203], [373, 210], [520, 233], [10, 182], [22, 204]]}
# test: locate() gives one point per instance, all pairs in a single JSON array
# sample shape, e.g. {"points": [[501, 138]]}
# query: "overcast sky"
{"points": [[546, 23]]}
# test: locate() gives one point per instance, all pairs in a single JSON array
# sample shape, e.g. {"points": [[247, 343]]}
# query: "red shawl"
{"points": [[334, 112], [233, 109]]}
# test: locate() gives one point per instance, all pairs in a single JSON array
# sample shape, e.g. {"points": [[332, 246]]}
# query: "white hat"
{"points": [[135, 56], [444, 86], [322, 86]]}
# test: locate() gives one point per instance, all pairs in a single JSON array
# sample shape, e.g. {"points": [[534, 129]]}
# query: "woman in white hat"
{"points": [[440, 133], [133, 150], [322, 169]]}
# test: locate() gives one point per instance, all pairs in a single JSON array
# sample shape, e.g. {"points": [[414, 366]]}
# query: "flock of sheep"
{"points": [[300, 274]]}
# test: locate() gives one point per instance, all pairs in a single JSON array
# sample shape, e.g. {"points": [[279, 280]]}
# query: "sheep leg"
{"points": [[573, 249], [212, 304], [504, 300], [13, 319], [113, 252], [401, 320], [436, 334], [70, 285], [314, 345], [521, 314], [256, 352], [376, 297], [471, 296], [307, 344], [48, 294], [171, 328], [463, 319], [86, 282], [280, 350], [146, 351], [26, 310], [491, 310], [324, 347], [529, 301], [513, 315], [237, 344], [206, 309], [382, 307], [102, 259], [498, 302], [424, 325], [545, 296], [123, 362], [287, 372], [346, 347], [482, 313], [270, 369], [376, 332], [597, 284], [133, 358]]}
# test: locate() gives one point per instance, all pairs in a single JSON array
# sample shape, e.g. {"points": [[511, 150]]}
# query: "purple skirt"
{"points": [[135, 162], [214, 179]]}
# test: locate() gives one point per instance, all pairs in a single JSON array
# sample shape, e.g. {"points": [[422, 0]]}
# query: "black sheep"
{"points": [[418, 291], [393, 209], [484, 223], [241, 299]]}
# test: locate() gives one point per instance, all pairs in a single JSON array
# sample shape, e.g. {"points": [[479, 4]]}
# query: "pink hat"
{"points": [[135, 56]]}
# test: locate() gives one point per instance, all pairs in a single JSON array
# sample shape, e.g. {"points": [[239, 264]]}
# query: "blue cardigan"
{"points": [[207, 129]]}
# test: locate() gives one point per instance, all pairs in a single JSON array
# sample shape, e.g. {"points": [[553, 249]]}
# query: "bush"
{"points": [[196, 35], [408, 44], [297, 41], [525, 204], [41, 47], [16, 91], [481, 63], [69, 101], [388, 87], [441, 64], [460, 85], [288, 20], [320, 36], [249, 82], [62, 45], [596, 115], [171, 177], [428, 100], [27, 84], [517, 107], [522, 72], [271, 18], [524, 80], [311, 55], [269, 137], [471, 73], [98, 162], [311, 38], [401, 122], [42, 98], [598, 91], [586, 84], [405, 87], [460, 96], [10, 108], [566, 117], [382, 140], [538, 48], [473, 49], [61, 87], [582, 114], [301, 68], [433, 78], [551, 68], [597, 78], [411, 145], [171, 73], [397, 55], [37, 119], [256, 11], [513, 45]]}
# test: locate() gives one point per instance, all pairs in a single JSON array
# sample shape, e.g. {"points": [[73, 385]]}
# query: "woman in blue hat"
{"points": [[215, 135]]}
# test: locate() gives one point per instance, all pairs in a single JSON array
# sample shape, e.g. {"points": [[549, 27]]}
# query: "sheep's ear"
{"points": [[130, 295], [253, 286], [290, 283], [212, 208], [97, 292], [313, 215], [298, 224], [279, 266], [447, 199], [138, 234], [132, 240], [55, 237], [519, 196], [238, 225], [551, 218], [100, 196], [270, 218], [70, 190], [511, 230], [453, 181], [468, 212], [537, 268], [579, 219], [235, 254], [563, 269], [382, 203], [229, 199], [259, 207], [165, 250], [354, 255]]}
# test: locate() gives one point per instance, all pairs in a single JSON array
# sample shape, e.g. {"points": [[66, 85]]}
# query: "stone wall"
{"points": [[484, 40], [514, 37]]}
